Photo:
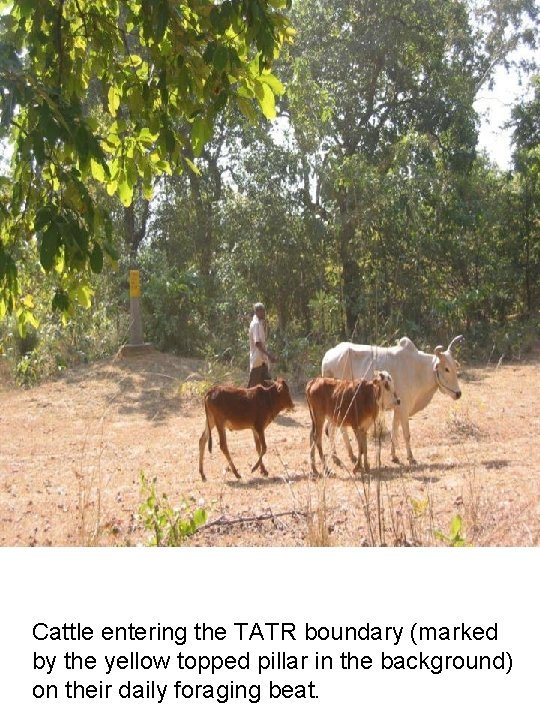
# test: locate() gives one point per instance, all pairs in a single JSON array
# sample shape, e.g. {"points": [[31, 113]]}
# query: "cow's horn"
{"points": [[458, 338]]}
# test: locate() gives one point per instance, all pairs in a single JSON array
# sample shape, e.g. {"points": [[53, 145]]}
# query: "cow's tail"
{"points": [[308, 386], [208, 429]]}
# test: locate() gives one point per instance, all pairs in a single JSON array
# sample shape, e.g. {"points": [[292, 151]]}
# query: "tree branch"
{"points": [[59, 43], [223, 521]]}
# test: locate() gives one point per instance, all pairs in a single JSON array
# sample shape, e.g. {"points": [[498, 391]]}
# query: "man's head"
{"points": [[259, 310]]}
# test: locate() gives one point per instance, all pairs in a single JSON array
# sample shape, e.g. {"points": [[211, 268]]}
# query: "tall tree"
{"points": [[194, 56], [526, 138], [367, 74]]}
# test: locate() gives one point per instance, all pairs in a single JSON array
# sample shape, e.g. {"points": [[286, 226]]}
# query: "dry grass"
{"points": [[318, 517], [73, 450]]}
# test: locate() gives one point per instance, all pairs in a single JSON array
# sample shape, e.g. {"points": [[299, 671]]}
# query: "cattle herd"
{"points": [[402, 378]]}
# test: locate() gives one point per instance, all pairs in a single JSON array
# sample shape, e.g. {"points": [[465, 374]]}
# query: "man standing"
{"points": [[259, 356]]}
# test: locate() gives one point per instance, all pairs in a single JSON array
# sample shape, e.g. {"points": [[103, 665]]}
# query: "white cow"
{"points": [[416, 375]]}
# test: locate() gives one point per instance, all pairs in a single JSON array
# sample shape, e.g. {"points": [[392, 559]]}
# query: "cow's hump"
{"points": [[407, 344]]}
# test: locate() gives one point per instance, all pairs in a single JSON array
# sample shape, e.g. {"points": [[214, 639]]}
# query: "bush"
{"points": [[168, 526]]}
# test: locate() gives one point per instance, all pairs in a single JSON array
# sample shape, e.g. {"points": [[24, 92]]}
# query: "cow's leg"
{"points": [[348, 445], [331, 432], [401, 416], [205, 437], [317, 429], [202, 443], [312, 443], [393, 440], [331, 428], [260, 452], [363, 451], [225, 449], [361, 439], [407, 437], [378, 441]]}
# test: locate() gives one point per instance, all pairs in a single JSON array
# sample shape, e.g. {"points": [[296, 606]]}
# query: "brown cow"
{"points": [[347, 403], [234, 408]]}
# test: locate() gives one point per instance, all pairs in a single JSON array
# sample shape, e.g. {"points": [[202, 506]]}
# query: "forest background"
{"points": [[357, 205]]}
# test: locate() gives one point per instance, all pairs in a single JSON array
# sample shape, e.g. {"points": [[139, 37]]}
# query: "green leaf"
{"points": [[267, 102], [455, 527], [96, 259], [221, 59], [97, 170], [84, 296], [112, 187], [50, 240], [163, 166], [114, 100], [125, 192], [277, 87], [246, 108], [43, 217], [201, 132], [145, 137], [148, 191], [199, 517], [194, 168], [60, 301]]}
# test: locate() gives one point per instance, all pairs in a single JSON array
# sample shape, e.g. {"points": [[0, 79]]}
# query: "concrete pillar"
{"points": [[135, 318], [136, 343]]}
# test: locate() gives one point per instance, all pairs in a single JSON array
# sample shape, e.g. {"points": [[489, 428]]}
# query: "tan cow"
{"points": [[234, 408], [347, 404]]}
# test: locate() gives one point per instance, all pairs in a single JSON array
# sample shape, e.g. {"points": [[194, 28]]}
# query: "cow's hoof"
{"points": [[337, 461], [203, 477], [412, 461], [264, 471], [395, 459]]}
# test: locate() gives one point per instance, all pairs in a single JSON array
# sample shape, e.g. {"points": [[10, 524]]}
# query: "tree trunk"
{"points": [[133, 238], [350, 272]]}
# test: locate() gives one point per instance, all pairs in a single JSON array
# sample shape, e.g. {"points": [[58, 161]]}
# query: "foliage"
{"points": [[168, 526], [171, 303], [455, 538], [381, 96], [90, 93], [61, 342], [363, 211]]}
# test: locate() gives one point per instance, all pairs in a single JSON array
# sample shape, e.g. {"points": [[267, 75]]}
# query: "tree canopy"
{"points": [[93, 91], [349, 195]]}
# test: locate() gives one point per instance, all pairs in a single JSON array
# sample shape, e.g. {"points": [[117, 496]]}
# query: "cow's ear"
{"points": [[439, 350]]}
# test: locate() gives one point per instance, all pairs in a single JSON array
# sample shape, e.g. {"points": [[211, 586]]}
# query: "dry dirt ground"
{"points": [[72, 451]]}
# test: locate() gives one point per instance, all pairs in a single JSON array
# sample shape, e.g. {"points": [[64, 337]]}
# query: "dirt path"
{"points": [[72, 450]]}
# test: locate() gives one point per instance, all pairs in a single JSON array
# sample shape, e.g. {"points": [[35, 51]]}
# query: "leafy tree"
{"points": [[149, 63], [526, 137], [366, 75]]}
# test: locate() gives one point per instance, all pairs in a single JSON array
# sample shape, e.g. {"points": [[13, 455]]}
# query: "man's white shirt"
{"points": [[257, 334]]}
